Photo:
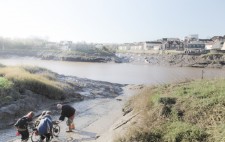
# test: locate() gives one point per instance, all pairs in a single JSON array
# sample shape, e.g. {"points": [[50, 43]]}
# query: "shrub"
{"points": [[180, 131], [5, 83]]}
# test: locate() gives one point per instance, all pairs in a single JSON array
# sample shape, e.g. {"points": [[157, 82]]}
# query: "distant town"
{"points": [[191, 44]]}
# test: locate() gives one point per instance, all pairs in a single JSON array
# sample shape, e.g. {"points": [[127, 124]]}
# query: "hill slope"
{"points": [[189, 111]]}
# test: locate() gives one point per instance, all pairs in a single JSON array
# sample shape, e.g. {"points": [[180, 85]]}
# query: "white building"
{"points": [[65, 45], [223, 47], [208, 46], [193, 37], [125, 46], [136, 46], [152, 45]]}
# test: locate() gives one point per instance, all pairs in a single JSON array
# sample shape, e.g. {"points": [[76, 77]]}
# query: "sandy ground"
{"points": [[96, 120]]}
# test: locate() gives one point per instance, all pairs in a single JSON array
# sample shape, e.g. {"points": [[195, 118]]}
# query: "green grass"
{"points": [[181, 131], [37, 80], [7, 94], [5, 83], [191, 111]]}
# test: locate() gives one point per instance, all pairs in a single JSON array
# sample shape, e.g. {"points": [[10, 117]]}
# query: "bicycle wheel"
{"points": [[35, 137], [56, 130]]}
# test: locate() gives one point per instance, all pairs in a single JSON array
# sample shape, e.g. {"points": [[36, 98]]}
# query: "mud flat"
{"points": [[96, 119]]}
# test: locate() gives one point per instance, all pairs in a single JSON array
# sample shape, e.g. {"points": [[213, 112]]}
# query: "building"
{"points": [[65, 45], [173, 45], [217, 38], [194, 47], [218, 45], [205, 40], [190, 38], [223, 47], [208, 46], [137, 46], [152, 45], [125, 46]]}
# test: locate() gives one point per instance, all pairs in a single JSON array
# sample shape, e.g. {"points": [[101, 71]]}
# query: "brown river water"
{"points": [[120, 73]]}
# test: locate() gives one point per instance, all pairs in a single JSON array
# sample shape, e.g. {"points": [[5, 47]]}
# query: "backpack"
{"points": [[22, 122]]}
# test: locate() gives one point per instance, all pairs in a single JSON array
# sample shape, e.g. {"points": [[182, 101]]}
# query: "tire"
{"points": [[35, 137], [56, 130]]}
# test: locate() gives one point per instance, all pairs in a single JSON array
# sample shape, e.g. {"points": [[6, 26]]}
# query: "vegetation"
{"points": [[41, 47], [192, 111], [212, 56], [5, 83], [14, 82]]}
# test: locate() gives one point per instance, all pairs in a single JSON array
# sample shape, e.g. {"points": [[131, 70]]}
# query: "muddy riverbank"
{"points": [[178, 60], [209, 60], [95, 118], [75, 89]]}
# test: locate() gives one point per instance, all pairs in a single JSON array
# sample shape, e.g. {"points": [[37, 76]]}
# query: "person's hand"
{"points": [[57, 121]]}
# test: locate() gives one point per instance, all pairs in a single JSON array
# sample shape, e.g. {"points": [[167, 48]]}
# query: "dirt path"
{"points": [[95, 119]]}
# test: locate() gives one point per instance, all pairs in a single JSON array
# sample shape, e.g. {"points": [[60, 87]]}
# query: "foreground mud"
{"points": [[95, 119]]}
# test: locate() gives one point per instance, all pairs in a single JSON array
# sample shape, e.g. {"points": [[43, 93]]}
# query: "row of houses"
{"points": [[190, 44]]}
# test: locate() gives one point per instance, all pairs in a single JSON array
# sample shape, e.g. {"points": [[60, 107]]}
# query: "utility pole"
{"points": [[202, 73]]}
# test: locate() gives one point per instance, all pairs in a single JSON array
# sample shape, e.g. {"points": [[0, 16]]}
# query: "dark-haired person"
{"points": [[69, 112]]}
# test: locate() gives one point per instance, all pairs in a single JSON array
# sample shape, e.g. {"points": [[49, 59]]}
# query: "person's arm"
{"points": [[29, 122], [16, 125], [49, 127], [61, 118]]}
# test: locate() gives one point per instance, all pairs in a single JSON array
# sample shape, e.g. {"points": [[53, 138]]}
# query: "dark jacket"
{"points": [[67, 111], [22, 123]]}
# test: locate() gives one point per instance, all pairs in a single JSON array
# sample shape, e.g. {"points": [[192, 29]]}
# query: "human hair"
{"points": [[30, 114], [59, 106]]}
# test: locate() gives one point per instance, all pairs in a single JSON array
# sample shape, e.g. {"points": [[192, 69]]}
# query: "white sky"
{"points": [[111, 21]]}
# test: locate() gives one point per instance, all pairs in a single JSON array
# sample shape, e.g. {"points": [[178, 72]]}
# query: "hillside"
{"points": [[188, 111]]}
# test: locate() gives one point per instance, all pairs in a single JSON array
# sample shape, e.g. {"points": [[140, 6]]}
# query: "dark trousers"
{"points": [[24, 135], [47, 136]]}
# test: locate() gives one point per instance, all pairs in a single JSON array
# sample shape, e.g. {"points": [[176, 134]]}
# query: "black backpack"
{"points": [[22, 122]]}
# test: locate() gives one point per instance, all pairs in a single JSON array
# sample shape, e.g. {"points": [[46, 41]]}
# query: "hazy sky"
{"points": [[111, 21]]}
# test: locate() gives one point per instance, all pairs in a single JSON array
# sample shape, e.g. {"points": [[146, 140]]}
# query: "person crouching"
{"points": [[45, 127], [69, 112]]}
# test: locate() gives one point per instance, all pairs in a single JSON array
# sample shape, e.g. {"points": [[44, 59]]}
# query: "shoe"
{"points": [[69, 131]]}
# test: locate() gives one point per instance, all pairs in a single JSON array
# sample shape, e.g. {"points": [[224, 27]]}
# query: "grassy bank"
{"points": [[192, 111], [15, 81]]}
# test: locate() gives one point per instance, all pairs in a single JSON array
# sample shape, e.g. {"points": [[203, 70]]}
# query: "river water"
{"points": [[120, 73], [111, 72]]}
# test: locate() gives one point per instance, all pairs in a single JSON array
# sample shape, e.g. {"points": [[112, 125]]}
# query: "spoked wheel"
{"points": [[35, 137], [56, 130]]}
